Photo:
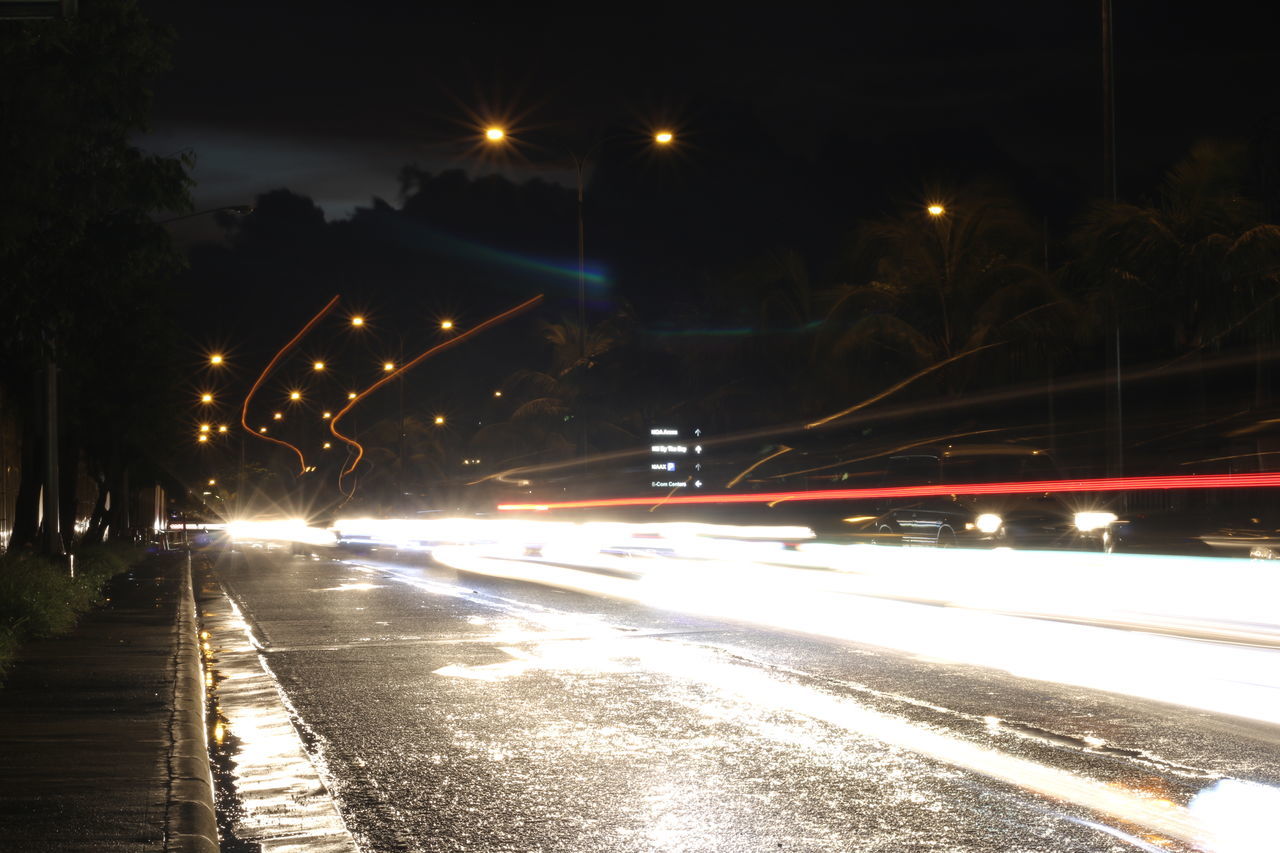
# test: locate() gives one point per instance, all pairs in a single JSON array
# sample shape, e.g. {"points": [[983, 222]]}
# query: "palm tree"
{"points": [[961, 288], [770, 305], [1193, 269], [586, 401]]}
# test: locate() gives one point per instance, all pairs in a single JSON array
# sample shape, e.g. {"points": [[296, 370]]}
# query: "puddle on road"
{"points": [[268, 794], [223, 747]]}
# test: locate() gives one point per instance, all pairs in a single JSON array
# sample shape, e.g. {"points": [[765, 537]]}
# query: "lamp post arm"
{"points": [[234, 210]]}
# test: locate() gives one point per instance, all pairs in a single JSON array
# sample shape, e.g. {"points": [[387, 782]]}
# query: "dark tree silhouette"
{"points": [[81, 261]]}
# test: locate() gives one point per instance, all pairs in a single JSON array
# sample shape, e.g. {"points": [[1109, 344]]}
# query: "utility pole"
{"points": [[582, 316], [5, 523], [1108, 107], [240, 502], [1110, 192]]}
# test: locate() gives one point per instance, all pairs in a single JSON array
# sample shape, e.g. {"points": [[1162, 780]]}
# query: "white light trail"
{"points": [[1133, 625]]}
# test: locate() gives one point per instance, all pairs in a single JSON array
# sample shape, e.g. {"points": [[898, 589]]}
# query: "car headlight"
{"points": [[988, 522], [1090, 521]]}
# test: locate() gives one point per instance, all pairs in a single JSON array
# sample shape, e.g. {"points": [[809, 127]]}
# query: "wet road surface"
{"points": [[448, 710]]}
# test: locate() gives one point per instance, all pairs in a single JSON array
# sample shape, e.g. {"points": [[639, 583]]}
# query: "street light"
{"points": [[295, 395], [319, 365], [446, 325], [222, 428], [357, 320], [936, 210], [388, 366], [439, 420], [663, 138], [215, 360], [279, 416], [206, 398], [204, 427]]}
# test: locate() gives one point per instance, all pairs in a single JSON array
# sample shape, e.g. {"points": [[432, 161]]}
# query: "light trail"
{"points": [[262, 377], [1050, 617], [901, 411], [1132, 624], [1097, 484], [1194, 631], [440, 347]]}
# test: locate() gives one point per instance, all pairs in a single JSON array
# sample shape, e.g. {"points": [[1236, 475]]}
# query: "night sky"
{"points": [[792, 127], [330, 99]]}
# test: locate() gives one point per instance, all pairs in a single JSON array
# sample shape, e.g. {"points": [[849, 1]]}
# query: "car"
{"points": [[950, 519]]}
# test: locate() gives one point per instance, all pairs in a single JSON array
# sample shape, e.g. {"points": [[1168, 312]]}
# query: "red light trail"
{"points": [[1099, 484]]}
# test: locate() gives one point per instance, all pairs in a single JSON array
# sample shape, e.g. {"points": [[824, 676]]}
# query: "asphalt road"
{"points": [[448, 710]]}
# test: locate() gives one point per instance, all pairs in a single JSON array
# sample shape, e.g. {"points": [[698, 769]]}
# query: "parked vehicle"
{"points": [[1037, 520]]}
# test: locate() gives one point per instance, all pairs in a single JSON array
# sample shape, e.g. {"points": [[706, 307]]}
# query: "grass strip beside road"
{"points": [[39, 598]]}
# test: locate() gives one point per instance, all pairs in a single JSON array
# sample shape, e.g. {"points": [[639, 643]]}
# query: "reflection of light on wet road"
{"points": [[351, 587], [1200, 632], [1241, 817], [761, 701], [1196, 632], [286, 806]]}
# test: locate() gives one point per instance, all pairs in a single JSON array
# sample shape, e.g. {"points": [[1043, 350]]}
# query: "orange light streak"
{"points": [[244, 410], [454, 341]]}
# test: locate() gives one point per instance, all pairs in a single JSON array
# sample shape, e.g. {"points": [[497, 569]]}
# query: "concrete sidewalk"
{"points": [[102, 741]]}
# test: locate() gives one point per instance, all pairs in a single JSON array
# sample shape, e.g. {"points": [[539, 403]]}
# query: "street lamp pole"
{"points": [[498, 135], [580, 162], [234, 210]]}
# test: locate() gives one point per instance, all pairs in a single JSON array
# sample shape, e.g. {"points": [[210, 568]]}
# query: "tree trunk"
{"points": [[98, 519], [26, 512], [69, 480], [121, 529]]}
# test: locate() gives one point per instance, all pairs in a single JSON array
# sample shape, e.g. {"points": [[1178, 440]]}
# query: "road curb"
{"points": [[191, 824]]}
